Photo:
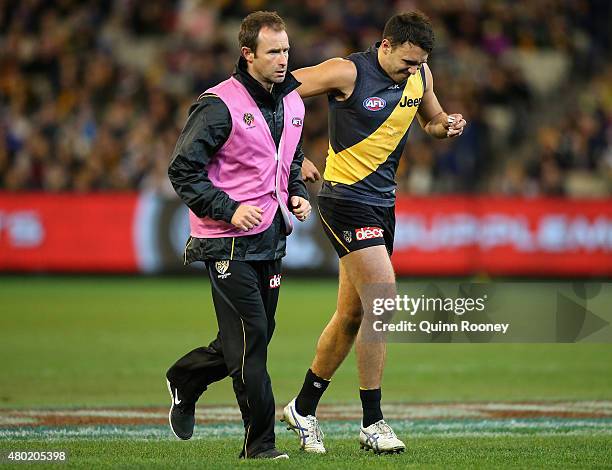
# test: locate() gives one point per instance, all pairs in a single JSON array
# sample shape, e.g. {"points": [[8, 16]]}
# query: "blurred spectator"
{"points": [[92, 94]]}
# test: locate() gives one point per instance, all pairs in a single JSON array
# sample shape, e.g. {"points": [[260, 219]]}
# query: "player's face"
{"points": [[402, 61], [269, 64]]}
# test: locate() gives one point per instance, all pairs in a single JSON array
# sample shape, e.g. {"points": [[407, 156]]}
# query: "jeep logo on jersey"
{"points": [[374, 103], [248, 118], [365, 233], [409, 102], [275, 281], [297, 122]]}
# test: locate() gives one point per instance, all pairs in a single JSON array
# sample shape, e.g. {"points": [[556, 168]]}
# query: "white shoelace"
{"points": [[314, 430], [384, 429]]}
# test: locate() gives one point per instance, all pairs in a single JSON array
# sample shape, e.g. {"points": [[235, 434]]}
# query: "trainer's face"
{"points": [[268, 65], [401, 61]]}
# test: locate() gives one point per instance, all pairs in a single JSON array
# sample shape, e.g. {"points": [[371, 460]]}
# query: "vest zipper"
{"points": [[274, 127], [284, 209]]}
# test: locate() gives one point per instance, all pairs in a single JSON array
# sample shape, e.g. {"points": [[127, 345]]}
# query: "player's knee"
{"points": [[350, 319]]}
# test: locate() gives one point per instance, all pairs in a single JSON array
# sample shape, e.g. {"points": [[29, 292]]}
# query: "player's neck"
{"points": [[379, 57], [381, 64]]}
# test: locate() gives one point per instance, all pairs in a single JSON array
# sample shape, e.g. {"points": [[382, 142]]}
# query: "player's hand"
{"points": [[455, 125], [247, 217], [309, 171], [300, 208]]}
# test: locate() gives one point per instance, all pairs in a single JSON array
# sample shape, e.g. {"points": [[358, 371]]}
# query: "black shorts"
{"points": [[351, 226]]}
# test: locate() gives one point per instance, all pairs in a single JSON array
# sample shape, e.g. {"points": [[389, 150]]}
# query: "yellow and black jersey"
{"points": [[368, 131]]}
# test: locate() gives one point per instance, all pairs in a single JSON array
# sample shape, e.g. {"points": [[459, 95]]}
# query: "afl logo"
{"points": [[297, 122], [374, 103]]}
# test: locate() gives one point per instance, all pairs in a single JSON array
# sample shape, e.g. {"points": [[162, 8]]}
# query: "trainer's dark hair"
{"points": [[413, 27], [252, 24]]}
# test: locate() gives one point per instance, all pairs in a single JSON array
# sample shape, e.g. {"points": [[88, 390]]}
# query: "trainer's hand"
{"points": [[309, 171], [454, 126], [300, 207], [247, 217]]}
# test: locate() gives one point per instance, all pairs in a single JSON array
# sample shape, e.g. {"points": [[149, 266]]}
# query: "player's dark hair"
{"points": [[413, 27], [252, 24]]}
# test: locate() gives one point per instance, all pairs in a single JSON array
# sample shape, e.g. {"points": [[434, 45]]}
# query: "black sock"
{"points": [[312, 391], [370, 403]]}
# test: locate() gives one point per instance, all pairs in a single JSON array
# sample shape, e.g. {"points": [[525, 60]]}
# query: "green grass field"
{"points": [[106, 342]]}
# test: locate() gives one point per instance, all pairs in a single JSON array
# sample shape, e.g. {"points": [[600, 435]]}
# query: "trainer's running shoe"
{"points": [[306, 427], [380, 438], [273, 454], [181, 415]]}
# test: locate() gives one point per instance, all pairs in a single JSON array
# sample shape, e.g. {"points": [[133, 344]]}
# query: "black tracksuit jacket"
{"points": [[207, 129]]}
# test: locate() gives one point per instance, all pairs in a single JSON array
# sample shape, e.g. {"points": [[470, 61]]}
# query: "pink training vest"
{"points": [[248, 167]]}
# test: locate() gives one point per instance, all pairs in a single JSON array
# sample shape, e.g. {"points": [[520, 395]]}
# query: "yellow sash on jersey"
{"points": [[355, 163]]}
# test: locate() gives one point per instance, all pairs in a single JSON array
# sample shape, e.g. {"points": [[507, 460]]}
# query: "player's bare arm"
{"points": [[432, 117], [336, 76]]}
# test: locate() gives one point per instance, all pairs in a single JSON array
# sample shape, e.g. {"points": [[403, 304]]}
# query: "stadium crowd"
{"points": [[93, 93]]}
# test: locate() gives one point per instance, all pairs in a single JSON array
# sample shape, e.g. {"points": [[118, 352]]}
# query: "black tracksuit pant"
{"points": [[245, 295]]}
